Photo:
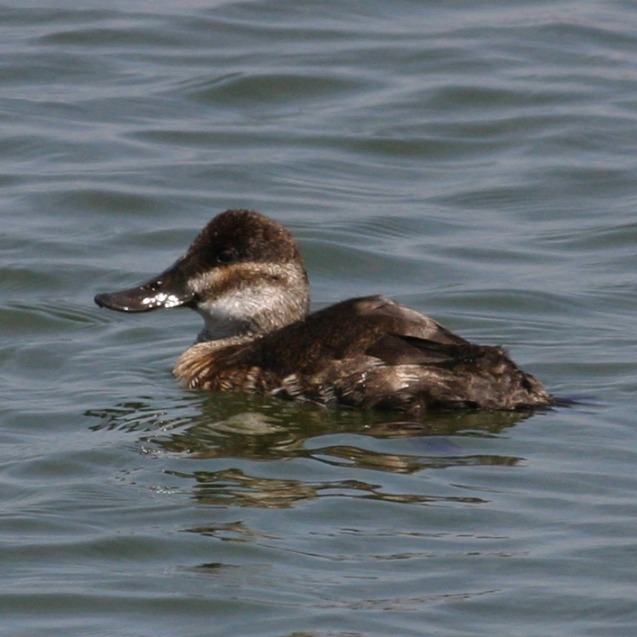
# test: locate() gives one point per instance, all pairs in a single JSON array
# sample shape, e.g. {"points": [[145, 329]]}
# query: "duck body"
{"points": [[244, 275]]}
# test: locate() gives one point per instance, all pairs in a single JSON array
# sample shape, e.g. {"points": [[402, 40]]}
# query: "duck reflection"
{"points": [[233, 487], [352, 443]]}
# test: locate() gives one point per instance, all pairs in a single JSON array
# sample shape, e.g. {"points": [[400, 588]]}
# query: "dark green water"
{"points": [[476, 161]]}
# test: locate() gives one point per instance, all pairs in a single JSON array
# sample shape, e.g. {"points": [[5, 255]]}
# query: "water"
{"points": [[473, 160]]}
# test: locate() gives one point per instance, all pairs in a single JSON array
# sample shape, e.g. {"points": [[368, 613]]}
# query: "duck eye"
{"points": [[226, 256]]}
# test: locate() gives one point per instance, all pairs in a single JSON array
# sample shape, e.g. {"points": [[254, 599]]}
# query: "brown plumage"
{"points": [[244, 275]]}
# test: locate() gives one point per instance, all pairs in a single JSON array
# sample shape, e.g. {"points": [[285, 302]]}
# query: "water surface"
{"points": [[474, 161]]}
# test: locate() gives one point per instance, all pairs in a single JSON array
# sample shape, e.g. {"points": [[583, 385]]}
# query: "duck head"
{"points": [[243, 274]]}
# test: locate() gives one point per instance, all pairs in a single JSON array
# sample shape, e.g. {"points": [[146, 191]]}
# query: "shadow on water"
{"points": [[247, 429]]}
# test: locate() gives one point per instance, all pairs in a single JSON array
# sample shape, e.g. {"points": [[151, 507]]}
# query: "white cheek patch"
{"points": [[161, 299]]}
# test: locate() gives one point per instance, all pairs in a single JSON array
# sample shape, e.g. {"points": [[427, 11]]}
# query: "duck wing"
{"points": [[398, 349], [397, 320], [371, 326]]}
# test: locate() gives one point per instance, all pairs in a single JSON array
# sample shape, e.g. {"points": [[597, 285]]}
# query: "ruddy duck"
{"points": [[244, 274]]}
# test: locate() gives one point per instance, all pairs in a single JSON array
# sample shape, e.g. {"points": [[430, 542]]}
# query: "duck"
{"points": [[244, 275]]}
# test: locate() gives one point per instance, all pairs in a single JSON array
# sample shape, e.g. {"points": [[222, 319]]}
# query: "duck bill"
{"points": [[167, 290]]}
